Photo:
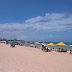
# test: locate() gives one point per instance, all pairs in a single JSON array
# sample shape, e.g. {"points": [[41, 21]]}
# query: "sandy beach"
{"points": [[27, 59]]}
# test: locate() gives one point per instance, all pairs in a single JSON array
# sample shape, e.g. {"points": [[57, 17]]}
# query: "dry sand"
{"points": [[27, 59]]}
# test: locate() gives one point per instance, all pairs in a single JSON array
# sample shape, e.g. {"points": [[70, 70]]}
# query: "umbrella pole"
{"points": [[61, 47]]}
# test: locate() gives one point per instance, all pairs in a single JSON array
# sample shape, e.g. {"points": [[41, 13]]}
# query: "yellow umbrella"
{"points": [[70, 45], [36, 43], [32, 44], [51, 44], [26, 43], [61, 44]]}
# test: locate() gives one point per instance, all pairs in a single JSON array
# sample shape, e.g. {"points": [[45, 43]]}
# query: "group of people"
{"points": [[45, 48], [12, 45], [60, 50]]}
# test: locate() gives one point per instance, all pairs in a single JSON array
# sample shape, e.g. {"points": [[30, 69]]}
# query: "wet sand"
{"points": [[27, 59]]}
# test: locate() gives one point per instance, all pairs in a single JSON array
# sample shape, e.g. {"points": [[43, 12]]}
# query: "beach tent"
{"points": [[36, 43], [51, 44], [61, 44]]}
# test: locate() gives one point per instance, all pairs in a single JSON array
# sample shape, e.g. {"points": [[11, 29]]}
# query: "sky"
{"points": [[36, 20]]}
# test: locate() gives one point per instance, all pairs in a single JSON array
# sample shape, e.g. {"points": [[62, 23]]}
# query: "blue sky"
{"points": [[36, 20]]}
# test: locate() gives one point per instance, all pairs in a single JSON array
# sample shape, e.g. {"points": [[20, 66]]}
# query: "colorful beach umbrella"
{"points": [[36, 43], [43, 44], [51, 44], [61, 44]]}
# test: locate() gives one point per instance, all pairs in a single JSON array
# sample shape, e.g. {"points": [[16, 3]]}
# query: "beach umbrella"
{"points": [[61, 44], [19, 42], [32, 44], [43, 43], [36, 43], [26, 43], [70, 46], [51, 44], [12, 43]]}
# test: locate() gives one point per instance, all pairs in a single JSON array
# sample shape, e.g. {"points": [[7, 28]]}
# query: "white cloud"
{"points": [[36, 19], [51, 22], [21, 37]]}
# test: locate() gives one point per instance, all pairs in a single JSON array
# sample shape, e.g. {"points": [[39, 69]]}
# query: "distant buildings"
{"points": [[10, 39]]}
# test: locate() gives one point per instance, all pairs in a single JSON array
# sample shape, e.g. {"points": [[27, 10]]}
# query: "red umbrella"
{"points": [[19, 42]]}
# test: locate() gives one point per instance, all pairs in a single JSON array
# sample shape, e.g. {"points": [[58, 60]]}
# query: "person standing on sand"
{"points": [[42, 47]]}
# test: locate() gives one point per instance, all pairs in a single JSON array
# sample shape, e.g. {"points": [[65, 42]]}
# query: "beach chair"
{"points": [[62, 50], [65, 50]]}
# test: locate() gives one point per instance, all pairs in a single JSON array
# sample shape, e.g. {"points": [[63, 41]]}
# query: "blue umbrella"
{"points": [[12, 43]]}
